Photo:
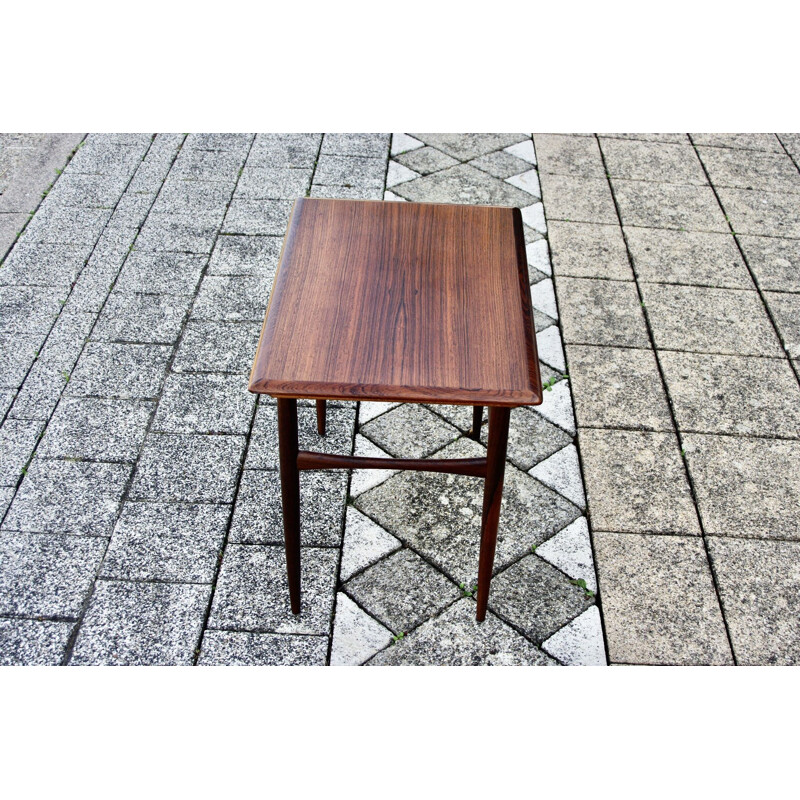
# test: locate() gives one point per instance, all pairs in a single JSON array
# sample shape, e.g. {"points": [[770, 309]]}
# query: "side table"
{"points": [[408, 302]]}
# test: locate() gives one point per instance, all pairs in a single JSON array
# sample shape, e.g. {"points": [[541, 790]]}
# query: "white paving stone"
{"points": [[368, 411], [364, 543], [580, 643], [551, 351], [356, 635], [523, 150], [539, 256], [387, 195], [397, 173], [544, 298], [527, 181], [533, 217], [562, 472], [571, 551], [557, 407], [402, 143], [364, 479]]}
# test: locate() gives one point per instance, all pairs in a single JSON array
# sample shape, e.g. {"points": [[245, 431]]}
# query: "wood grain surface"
{"points": [[415, 302]]}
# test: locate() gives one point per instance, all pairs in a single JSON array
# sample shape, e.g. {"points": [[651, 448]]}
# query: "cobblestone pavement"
{"points": [[676, 261], [140, 504]]}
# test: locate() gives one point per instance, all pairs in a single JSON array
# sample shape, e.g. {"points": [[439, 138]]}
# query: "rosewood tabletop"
{"points": [[411, 302]]}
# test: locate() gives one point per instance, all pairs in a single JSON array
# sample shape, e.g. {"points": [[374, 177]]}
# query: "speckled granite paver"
{"points": [[140, 491]]}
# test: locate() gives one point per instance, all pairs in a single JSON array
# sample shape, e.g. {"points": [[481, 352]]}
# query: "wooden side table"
{"points": [[393, 301]]}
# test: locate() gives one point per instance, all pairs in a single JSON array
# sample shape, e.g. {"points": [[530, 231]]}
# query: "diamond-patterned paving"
{"points": [[141, 497]]}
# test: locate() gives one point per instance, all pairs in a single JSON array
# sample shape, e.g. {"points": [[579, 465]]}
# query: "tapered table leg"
{"points": [[290, 494], [322, 406], [492, 497], [477, 419]]}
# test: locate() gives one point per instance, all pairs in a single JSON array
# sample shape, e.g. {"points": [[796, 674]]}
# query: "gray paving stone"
{"points": [[703, 320], [440, 515], [232, 298], [570, 550], [257, 217], [531, 438], [43, 265], [88, 191], [252, 592], [126, 139], [166, 541], [402, 591], [107, 158], [409, 431], [577, 199], [160, 273], [258, 515], [27, 642], [743, 141], [238, 142], [238, 648], [11, 226], [46, 576], [465, 146], [151, 318], [66, 339], [206, 165], [785, 310], [29, 309], [188, 468], [91, 428], [119, 370], [204, 404], [454, 638], [762, 213], [632, 395], [463, 184], [759, 583], [653, 161], [263, 449], [569, 155], [66, 226], [766, 171], [68, 497], [40, 394], [285, 149], [6, 399], [335, 170], [193, 197], [635, 482], [791, 141], [583, 250], [272, 183], [746, 487], [18, 440], [601, 312], [536, 598], [775, 262], [665, 205], [356, 635], [659, 602], [733, 394], [375, 145], [17, 359], [646, 137], [348, 192], [428, 159], [141, 624], [245, 255], [132, 210], [690, 257], [98, 276], [179, 233], [217, 347]]}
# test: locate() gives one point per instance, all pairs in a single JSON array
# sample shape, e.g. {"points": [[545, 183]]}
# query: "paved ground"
{"points": [[677, 271], [139, 484], [141, 505]]}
